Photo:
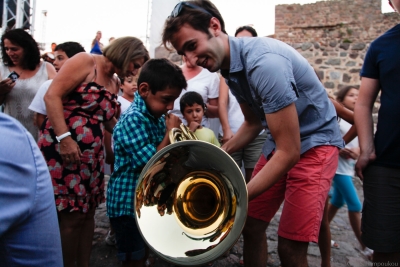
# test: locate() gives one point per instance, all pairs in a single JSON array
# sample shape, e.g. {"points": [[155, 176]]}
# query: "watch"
{"points": [[61, 137]]}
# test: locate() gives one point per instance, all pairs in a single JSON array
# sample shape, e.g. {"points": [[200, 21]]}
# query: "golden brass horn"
{"points": [[191, 201]]}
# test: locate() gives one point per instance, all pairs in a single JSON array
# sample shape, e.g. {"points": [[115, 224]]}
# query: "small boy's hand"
{"points": [[193, 126], [172, 121]]}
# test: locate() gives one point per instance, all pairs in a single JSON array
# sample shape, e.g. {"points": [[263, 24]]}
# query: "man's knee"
{"points": [[297, 249], [254, 228]]}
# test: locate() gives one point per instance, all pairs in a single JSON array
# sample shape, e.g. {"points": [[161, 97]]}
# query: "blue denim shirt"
{"points": [[269, 75], [29, 232]]}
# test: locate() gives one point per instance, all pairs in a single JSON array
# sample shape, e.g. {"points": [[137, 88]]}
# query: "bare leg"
{"points": [[332, 210], [324, 238], [292, 253], [249, 172], [85, 238], [255, 249], [69, 230], [355, 222]]}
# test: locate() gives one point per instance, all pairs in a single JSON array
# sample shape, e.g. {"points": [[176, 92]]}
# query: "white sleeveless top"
{"points": [[18, 100]]}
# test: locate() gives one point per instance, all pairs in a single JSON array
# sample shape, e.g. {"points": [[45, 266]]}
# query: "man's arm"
{"points": [[285, 129], [249, 130], [223, 102], [369, 90]]}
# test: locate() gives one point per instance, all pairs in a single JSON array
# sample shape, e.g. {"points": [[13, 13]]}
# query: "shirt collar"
{"points": [[141, 105], [235, 47]]}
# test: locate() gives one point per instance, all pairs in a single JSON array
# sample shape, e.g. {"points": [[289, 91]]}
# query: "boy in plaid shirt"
{"points": [[141, 131]]}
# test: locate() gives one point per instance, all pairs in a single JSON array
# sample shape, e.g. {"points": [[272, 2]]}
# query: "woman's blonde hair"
{"points": [[124, 50]]}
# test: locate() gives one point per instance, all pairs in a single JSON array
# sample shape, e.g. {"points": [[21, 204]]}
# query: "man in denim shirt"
{"points": [[279, 90], [29, 232]]}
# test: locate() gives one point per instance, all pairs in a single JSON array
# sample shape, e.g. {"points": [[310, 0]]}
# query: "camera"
{"points": [[13, 76]]}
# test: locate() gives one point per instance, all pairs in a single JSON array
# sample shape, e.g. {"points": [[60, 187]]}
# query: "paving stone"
{"points": [[357, 262]]}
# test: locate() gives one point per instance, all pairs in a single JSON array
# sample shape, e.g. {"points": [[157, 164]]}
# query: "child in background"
{"points": [[343, 187], [140, 132], [193, 108], [128, 89]]}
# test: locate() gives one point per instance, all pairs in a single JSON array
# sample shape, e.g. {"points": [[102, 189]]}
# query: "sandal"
{"points": [[334, 244], [368, 253], [241, 261]]}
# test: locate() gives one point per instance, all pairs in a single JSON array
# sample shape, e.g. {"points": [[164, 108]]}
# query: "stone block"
{"points": [[307, 54], [353, 55], [313, 251], [350, 63], [344, 46], [333, 61], [306, 46], [354, 70], [329, 85], [358, 46], [346, 78], [335, 75], [332, 43]]}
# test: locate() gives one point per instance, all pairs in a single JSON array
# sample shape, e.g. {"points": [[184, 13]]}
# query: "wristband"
{"points": [[61, 137]]}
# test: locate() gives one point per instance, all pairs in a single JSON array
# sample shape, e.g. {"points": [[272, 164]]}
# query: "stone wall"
{"points": [[333, 36]]}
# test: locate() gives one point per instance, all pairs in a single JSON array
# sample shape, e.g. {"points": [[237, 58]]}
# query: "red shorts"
{"points": [[304, 188]]}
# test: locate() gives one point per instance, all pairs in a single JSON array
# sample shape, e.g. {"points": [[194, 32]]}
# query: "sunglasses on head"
{"points": [[178, 9]]}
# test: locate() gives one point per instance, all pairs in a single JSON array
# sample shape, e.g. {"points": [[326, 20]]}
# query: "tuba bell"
{"points": [[190, 201]]}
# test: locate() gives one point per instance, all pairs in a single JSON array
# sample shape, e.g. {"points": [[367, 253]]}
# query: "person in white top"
{"points": [[62, 53], [21, 74], [344, 191], [206, 84], [128, 88]]}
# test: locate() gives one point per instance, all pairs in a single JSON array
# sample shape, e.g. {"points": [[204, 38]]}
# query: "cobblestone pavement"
{"points": [[348, 254]]}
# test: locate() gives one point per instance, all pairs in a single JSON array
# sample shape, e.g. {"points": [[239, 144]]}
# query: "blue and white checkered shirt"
{"points": [[136, 137]]}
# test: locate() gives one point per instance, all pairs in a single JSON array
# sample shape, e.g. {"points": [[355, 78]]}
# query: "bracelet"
{"points": [[61, 137]]}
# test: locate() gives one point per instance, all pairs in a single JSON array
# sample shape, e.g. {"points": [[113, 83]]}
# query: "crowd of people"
{"points": [[67, 114]]}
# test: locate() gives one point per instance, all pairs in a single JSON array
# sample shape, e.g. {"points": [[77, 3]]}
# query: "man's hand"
{"points": [[362, 163]]}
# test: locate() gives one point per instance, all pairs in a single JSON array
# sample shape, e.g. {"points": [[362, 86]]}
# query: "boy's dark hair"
{"points": [[189, 99], [161, 74], [198, 19], [70, 48], [31, 56], [343, 92], [246, 28]]}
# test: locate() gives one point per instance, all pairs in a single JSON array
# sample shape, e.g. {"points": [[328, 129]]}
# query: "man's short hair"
{"points": [[70, 48], [246, 28], [198, 19], [189, 99], [161, 74]]}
